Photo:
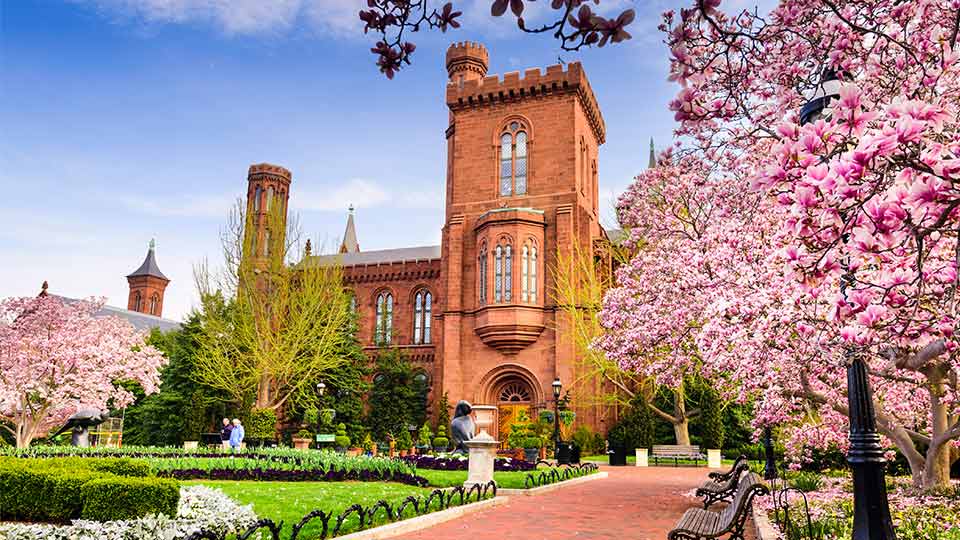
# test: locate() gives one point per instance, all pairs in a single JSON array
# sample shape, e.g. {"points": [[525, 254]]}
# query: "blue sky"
{"points": [[126, 120]]}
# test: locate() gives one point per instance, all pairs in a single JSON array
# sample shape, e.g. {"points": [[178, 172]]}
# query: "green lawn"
{"points": [[290, 501]]}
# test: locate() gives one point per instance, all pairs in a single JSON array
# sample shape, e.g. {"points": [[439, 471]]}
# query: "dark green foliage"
{"points": [[52, 489], [589, 442], [635, 428], [441, 441], [404, 440], [261, 424], [396, 398], [112, 498], [711, 419], [182, 408], [805, 481]]}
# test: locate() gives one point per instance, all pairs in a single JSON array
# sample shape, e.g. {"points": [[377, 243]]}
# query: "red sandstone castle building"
{"points": [[476, 313]]}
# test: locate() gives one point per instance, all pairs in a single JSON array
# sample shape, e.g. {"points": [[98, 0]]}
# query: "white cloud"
{"points": [[243, 17], [361, 193]]}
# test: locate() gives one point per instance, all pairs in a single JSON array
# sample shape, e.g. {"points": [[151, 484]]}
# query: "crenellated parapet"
{"points": [[534, 83]]}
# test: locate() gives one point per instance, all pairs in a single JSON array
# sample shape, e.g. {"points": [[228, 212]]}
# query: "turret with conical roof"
{"points": [[147, 285], [349, 243]]}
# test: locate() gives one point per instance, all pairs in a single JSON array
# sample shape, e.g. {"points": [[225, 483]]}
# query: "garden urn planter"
{"points": [[563, 453], [713, 458], [190, 445], [530, 454], [301, 443], [642, 457]]}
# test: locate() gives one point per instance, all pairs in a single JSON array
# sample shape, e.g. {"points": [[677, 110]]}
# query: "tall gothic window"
{"points": [[154, 300], [137, 301], [524, 272], [353, 302], [507, 275], [533, 273], [498, 275], [269, 197], [421, 317], [256, 198], [266, 242], [513, 160], [384, 321], [482, 274]]}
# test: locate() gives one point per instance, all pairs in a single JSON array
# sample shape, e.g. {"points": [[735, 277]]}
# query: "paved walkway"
{"points": [[636, 503]]}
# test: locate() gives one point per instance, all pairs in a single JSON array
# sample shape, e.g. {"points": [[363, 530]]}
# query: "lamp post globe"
{"points": [[871, 509], [321, 388]]}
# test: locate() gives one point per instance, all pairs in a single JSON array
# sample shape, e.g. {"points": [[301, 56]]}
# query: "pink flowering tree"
{"points": [[57, 357], [867, 195]]}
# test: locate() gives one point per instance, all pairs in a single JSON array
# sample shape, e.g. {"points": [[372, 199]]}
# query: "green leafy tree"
{"points": [[711, 419], [183, 408], [395, 399], [443, 411]]}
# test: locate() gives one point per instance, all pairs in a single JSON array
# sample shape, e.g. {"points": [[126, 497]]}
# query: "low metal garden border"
{"points": [[558, 474], [366, 515]]}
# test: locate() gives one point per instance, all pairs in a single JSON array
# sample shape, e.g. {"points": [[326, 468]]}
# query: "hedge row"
{"points": [[59, 490]]}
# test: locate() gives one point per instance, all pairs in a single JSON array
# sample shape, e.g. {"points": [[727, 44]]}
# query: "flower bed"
{"points": [[460, 463], [916, 516], [200, 508]]}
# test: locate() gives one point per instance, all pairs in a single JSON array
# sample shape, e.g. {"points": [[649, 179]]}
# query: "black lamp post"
{"points": [[556, 417], [770, 467], [871, 509]]}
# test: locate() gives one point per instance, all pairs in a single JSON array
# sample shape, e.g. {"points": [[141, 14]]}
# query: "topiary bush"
{"points": [[441, 442], [341, 440], [112, 498]]}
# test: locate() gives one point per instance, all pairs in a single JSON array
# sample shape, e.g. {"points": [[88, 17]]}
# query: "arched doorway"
{"points": [[514, 398]]}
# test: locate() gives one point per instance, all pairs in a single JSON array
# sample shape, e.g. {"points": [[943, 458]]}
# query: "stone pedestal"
{"points": [[483, 450], [714, 460], [642, 457]]}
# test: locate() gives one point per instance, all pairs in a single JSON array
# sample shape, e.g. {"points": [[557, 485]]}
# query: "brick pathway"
{"points": [[635, 503]]}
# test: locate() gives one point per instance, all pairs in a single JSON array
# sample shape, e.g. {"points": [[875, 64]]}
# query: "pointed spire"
{"points": [[307, 250], [149, 266], [349, 243], [653, 156], [43, 289]]}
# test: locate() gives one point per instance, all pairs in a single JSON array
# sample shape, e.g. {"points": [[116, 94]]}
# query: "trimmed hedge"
{"points": [[108, 499], [52, 490]]}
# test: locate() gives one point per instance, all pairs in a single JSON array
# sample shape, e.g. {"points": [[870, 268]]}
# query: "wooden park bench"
{"points": [[676, 452], [699, 524], [723, 486]]}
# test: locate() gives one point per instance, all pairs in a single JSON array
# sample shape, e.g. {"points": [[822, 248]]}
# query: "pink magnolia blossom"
{"points": [[57, 357]]}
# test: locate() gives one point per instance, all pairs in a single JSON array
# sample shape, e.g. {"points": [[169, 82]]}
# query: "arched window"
{"points": [[137, 301], [353, 302], [154, 300], [596, 185], [384, 327], [508, 275], [266, 243], [524, 272], [421, 317], [583, 166], [513, 160], [482, 274], [498, 275], [269, 197], [533, 273], [256, 198]]}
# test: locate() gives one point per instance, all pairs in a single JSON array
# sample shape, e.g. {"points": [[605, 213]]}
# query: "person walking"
{"points": [[236, 435], [225, 433]]}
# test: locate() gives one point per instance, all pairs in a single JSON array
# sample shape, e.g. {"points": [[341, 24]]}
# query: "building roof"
{"points": [[140, 321], [349, 243], [149, 266], [381, 256], [616, 236]]}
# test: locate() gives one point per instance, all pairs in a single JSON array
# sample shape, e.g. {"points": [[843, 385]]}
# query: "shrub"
{"points": [[806, 481], [589, 442], [262, 424], [121, 466], [341, 440], [441, 440], [425, 435], [112, 498], [636, 428], [404, 440]]}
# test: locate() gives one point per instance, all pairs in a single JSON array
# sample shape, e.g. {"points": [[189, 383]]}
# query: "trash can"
{"points": [[563, 453], [617, 453]]}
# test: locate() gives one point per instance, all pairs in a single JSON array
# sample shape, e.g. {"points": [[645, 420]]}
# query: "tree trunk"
{"points": [[936, 471], [681, 424]]}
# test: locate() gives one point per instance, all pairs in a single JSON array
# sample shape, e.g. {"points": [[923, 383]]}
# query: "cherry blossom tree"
{"points": [[56, 357], [862, 249]]}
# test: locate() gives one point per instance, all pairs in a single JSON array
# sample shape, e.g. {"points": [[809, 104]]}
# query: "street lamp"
{"points": [[770, 467], [556, 418], [871, 509]]}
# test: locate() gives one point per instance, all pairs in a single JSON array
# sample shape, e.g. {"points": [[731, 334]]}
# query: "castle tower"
{"points": [[467, 61], [349, 243], [268, 191], [522, 198], [147, 284]]}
